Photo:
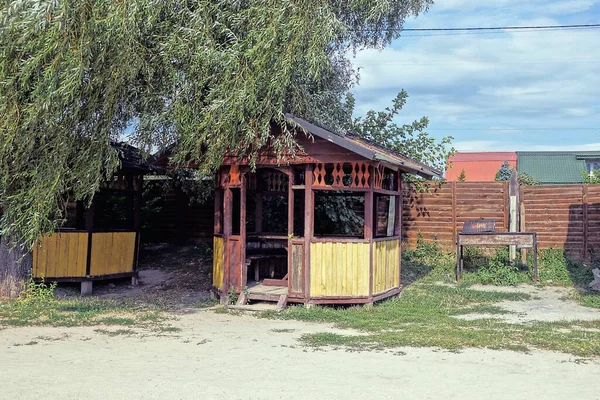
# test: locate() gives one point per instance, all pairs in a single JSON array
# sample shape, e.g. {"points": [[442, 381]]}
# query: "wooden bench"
{"points": [[257, 258]]}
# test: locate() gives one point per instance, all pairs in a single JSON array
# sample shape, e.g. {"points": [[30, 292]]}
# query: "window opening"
{"points": [[339, 214]]}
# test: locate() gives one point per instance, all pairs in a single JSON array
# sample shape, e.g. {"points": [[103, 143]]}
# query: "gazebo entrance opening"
{"points": [[268, 230]]}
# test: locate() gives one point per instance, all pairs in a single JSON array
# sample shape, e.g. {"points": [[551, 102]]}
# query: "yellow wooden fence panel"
{"points": [[61, 255], [112, 253], [339, 269], [386, 268], [218, 262]]}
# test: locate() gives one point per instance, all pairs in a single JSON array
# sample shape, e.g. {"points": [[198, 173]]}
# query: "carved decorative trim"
{"points": [[349, 175]]}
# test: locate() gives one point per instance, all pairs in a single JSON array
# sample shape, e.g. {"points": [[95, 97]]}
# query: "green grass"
{"points": [[424, 317], [37, 306], [590, 300], [75, 312], [426, 313]]}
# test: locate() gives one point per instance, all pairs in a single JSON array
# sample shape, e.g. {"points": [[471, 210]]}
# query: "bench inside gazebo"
{"points": [[323, 228]]}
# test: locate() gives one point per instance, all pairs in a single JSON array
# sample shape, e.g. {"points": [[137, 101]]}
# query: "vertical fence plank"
{"points": [[585, 222]]}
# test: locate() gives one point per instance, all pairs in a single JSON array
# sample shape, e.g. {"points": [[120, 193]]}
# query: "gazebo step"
{"points": [[257, 307], [272, 304]]}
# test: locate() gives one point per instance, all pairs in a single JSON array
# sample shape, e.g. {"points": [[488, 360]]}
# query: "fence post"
{"points": [[454, 212], [584, 205], [513, 192]]}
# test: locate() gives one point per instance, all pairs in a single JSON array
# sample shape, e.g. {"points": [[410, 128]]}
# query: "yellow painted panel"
{"points": [[339, 269], [218, 262], [60, 255], [386, 268], [112, 253]]}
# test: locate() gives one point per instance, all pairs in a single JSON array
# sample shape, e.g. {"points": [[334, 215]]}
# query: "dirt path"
{"points": [[550, 304], [219, 356]]}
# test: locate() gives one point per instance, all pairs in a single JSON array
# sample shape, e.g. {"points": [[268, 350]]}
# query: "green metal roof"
{"points": [[554, 166]]}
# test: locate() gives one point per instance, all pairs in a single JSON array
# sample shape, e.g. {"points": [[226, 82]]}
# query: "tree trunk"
{"points": [[15, 264]]}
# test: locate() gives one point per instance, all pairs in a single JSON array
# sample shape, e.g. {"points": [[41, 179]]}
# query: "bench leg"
{"points": [[256, 271], [459, 261]]}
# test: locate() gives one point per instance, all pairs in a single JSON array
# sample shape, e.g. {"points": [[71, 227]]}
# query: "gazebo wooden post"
{"points": [[227, 229], [398, 226], [368, 228], [309, 200], [137, 221], [242, 244], [290, 228]]}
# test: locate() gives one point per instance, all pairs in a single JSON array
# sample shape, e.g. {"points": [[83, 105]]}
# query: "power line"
{"points": [[553, 32], [447, 62], [514, 129], [496, 28]]}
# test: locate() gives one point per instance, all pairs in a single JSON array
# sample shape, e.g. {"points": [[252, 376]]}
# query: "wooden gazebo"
{"points": [[101, 241], [324, 228]]}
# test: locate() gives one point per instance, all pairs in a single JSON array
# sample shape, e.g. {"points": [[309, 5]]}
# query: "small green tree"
{"points": [[504, 172], [463, 176]]}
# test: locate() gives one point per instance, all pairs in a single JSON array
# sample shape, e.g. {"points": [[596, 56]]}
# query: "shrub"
{"points": [[36, 292]]}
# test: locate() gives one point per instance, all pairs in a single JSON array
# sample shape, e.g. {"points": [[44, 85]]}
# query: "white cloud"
{"points": [[569, 7], [527, 81]]}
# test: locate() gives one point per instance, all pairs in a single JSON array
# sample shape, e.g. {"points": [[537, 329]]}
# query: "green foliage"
{"points": [[337, 215], [590, 179], [34, 292], [409, 139], [591, 300], [210, 76], [428, 262], [499, 271], [463, 176], [504, 173], [232, 296], [526, 180], [556, 268]]}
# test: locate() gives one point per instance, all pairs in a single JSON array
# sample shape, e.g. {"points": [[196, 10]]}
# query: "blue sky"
{"points": [[494, 92]]}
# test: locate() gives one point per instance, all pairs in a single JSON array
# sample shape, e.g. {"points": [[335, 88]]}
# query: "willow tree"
{"points": [[210, 75]]}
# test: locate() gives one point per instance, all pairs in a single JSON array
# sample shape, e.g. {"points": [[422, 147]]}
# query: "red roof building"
{"points": [[478, 167]]}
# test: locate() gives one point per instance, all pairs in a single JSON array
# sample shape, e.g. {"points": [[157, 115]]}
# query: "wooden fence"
{"points": [[564, 216], [438, 210]]}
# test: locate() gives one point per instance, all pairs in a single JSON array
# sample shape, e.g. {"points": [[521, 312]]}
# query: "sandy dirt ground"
{"points": [[550, 304], [221, 356]]}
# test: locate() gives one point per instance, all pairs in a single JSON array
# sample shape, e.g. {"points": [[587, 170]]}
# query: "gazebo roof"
{"points": [[368, 149], [131, 157]]}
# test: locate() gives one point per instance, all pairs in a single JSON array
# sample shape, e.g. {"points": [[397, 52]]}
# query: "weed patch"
{"points": [[591, 300], [37, 307], [118, 332]]}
